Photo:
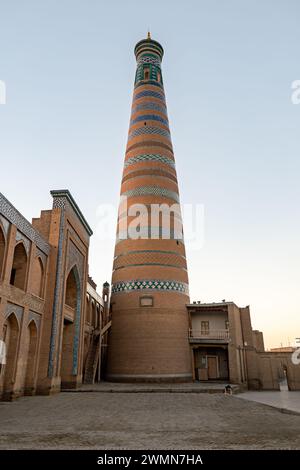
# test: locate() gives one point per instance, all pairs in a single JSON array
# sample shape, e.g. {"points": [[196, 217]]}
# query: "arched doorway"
{"points": [[69, 351], [2, 250], [19, 267], [10, 337], [31, 357]]}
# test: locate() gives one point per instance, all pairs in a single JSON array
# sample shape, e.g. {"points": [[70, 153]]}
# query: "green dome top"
{"points": [[148, 46]]}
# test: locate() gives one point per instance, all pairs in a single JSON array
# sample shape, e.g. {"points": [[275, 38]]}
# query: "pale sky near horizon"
{"points": [[228, 67]]}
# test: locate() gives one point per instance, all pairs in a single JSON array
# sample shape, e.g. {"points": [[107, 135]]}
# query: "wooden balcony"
{"points": [[209, 336]]}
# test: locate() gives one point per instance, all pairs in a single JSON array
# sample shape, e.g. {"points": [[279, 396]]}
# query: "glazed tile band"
{"points": [[148, 59], [149, 106], [149, 157], [145, 93], [149, 117], [150, 284], [149, 130], [152, 191]]}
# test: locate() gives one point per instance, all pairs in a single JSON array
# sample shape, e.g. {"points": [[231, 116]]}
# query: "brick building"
{"points": [[51, 317], [225, 347]]}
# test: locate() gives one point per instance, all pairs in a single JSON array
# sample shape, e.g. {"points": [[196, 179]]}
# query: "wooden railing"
{"points": [[209, 334]]}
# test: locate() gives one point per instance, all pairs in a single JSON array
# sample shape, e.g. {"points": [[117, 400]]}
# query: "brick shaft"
{"points": [[149, 337]]}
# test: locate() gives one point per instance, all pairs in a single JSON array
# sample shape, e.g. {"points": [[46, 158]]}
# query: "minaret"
{"points": [[149, 334]]}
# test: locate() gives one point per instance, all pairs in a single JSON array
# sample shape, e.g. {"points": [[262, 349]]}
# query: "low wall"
{"points": [[271, 367]]}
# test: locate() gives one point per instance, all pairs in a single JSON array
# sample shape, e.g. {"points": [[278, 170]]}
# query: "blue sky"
{"points": [[228, 68]]}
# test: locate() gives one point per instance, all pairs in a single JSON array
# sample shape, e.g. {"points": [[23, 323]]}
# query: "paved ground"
{"points": [[190, 387], [145, 421], [289, 401]]}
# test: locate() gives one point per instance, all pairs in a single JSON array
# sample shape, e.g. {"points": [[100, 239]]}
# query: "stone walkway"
{"points": [[145, 421], [284, 400]]}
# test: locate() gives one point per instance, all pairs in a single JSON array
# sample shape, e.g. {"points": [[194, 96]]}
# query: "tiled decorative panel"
{"points": [[149, 130], [149, 158], [150, 284], [75, 257], [148, 59], [16, 309], [41, 255], [5, 224], [26, 242], [8, 211], [35, 317]]}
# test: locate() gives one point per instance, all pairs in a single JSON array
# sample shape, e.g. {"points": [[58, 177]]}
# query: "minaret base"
{"points": [[149, 345]]}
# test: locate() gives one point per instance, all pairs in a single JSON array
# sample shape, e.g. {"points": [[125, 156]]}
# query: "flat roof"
{"points": [[211, 304]]}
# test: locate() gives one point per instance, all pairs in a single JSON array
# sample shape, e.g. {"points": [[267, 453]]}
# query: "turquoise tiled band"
{"points": [[152, 284]]}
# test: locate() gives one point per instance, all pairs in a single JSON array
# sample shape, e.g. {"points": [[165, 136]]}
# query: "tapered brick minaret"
{"points": [[149, 334]]}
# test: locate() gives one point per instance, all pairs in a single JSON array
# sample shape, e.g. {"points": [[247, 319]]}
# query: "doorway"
{"points": [[11, 338], [283, 379]]}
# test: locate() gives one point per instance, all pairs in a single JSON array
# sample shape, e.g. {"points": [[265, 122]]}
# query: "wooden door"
{"points": [[212, 367]]}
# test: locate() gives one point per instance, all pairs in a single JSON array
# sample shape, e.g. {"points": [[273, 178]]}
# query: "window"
{"points": [[158, 77], [146, 301], [205, 327], [226, 324]]}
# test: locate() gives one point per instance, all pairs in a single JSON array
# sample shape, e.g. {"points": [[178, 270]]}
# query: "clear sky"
{"points": [[69, 68]]}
